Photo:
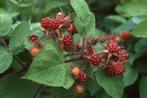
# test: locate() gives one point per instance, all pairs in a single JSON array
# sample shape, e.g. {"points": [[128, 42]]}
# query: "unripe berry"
{"points": [[75, 71], [79, 89], [95, 59], [35, 51], [126, 35]]}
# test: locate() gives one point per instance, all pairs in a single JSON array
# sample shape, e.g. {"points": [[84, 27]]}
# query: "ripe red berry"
{"points": [[89, 51], [33, 38], [126, 35], [67, 40], [54, 24], [75, 71], [82, 77], [112, 38], [73, 28], [117, 69], [44, 22], [79, 89], [112, 47], [123, 55], [35, 51], [95, 59]]}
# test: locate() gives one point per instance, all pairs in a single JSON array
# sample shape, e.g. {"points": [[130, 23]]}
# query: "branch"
{"points": [[4, 43], [38, 91], [74, 59], [20, 62]]}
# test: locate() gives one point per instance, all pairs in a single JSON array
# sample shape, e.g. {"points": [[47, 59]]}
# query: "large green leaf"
{"points": [[5, 59], [143, 87], [85, 18], [141, 45], [5, 23], [13, 87], [137, 8], [112, 85], [92, 86], [16, 44], [130, 75], [48, 68], [141, 30]]}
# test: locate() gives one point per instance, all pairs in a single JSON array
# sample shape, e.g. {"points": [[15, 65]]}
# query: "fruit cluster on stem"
{"points": [[62, 30]]}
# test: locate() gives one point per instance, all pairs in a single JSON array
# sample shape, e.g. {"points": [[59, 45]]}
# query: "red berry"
{"points": [[44, 22], [126, 35], [123, 55], [112, 47], [73, 28], [67, 40], [82, 77], [51, 24], [95, 59], [117, 69], [111, 38], [54, 24], [33, 38], [89, 51]]}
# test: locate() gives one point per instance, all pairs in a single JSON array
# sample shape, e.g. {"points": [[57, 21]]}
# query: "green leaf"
{"points": [[53, 4], [112, 85], [143, 87], [68, 79], [117, 18], [92, 86], [5, 59], [137, 8], [85, 20], [5, 23], [48, 67], [13, 87], [130, 75], [141, 45], [102, 94], [124, 27], [16, 44], [140, 30]]}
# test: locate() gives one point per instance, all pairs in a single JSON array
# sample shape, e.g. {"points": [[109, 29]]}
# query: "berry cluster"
{"points": [[62, 30], [80, 77]]}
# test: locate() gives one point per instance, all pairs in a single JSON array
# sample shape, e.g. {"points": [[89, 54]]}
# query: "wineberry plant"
{"points": [[73, 49]]}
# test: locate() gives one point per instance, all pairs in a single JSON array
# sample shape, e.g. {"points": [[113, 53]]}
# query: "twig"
{"points": [[20, 62], [4, 43], [38, 91], [74, 59], [71, 54]]}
